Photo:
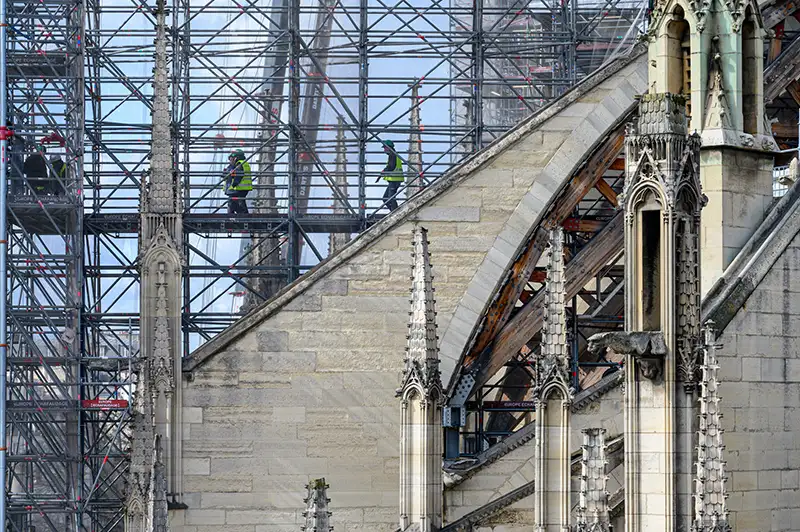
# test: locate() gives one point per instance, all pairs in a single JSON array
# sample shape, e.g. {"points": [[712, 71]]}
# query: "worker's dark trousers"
{"points": [[237, 204], [389, 198]]}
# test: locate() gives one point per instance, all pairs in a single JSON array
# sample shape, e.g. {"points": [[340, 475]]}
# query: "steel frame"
{"points": [[267, 77]]}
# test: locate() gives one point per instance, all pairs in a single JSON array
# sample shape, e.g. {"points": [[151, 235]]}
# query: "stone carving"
{"points": [[553, 363], [160, 506], [662, 155], [140, 473], [316, 515], [593, 515], [648, 347], [736, 9], [158, 416], [422, 353], [421, 484], [688, 304], [700, 8], [716, 112], [162, 373], [711, 513]]}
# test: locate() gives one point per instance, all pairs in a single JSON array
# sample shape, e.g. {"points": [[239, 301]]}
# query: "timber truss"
{"points": [[499, 356]]}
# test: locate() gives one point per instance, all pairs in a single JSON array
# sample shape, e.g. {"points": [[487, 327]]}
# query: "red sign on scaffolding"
{"points": [[105, 404]]}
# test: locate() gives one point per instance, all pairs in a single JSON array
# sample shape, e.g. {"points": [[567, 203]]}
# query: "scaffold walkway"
{"points": [[308, 89]]}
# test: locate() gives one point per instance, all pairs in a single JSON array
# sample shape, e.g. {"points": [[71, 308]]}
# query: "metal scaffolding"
{"points": [[308, 89]]}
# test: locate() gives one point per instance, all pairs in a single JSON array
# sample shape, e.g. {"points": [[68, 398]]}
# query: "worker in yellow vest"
{"points": [[392, 174], [237, 182]]}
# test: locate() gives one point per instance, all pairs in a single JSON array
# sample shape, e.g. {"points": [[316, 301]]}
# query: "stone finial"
{"points": [[338, 240], [415, 176], [160, 192], [317, 517], [593, 515], [422, 353], [160, 505], [553, 363], [711, 514]]}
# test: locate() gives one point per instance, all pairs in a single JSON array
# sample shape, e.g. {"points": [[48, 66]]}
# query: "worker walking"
{"points": [[237, 182], [392, 174], [35, 170]]}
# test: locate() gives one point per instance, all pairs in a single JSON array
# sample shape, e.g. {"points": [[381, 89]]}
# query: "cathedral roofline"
{"points": [[449, 180]]}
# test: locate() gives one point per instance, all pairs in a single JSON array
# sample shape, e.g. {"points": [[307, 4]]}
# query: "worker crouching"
{"points": [[237, 182]]}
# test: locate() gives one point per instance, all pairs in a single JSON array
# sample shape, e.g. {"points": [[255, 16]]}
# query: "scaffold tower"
{"points": [[308, 89]]}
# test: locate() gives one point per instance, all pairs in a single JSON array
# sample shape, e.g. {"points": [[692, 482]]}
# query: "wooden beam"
{"points": [[794, 91], [784, 131], [539, 275], [528, 320], [781, 72], [775, 43], [774, 14], [577, 187], [608, 193], [581, 225], [618, 164]]}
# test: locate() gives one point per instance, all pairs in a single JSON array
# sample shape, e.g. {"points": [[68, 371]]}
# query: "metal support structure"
{"points": [[79, 79], [4, 135]]}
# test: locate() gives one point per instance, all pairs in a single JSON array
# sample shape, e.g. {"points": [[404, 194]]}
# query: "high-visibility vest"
{"points": [[395, 174], [246, 184]]}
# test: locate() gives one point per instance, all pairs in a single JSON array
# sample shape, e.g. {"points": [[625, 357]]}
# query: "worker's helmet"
{"points": [[388, 143], [41, 148], [54, 158], [238, 154]]}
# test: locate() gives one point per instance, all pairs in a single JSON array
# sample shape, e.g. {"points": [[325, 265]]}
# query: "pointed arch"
{"points": [[752, 72]]}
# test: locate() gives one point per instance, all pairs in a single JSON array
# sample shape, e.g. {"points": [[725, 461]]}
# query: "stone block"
{"points": [[196, 466], [304, 302], [288, 362], [449, 214], [273, 341], [205, 517], [260, 517], [192, 414]]}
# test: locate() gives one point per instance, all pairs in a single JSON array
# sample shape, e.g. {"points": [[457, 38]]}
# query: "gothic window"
{"points": [[649, 263], [679, 53], [750, 55]]}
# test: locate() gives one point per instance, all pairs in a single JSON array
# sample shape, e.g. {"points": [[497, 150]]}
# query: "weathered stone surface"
{"points": [[760, 404], [313, 372]]}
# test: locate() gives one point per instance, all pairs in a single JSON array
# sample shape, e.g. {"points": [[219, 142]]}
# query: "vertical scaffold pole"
{"points": [[4, 134]]}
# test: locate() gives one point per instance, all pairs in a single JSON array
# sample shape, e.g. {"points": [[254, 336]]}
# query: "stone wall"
{"points": [[760, 375], [307, 390]]}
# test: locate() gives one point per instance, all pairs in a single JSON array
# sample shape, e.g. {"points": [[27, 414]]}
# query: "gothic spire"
{"points": [[593, 508], [422, 357], [711, 514], [415, 144], [160, 194], [317, 517], [553, 362], [338, 240]]}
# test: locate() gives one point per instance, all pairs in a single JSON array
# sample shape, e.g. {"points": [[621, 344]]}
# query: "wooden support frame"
{"points": [[607, 192], [582, 182], [776, 13], [590, 260], [782, 72]]}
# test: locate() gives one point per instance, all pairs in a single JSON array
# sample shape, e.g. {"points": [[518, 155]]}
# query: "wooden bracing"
{"points": [[528, 320], [585, 180]]}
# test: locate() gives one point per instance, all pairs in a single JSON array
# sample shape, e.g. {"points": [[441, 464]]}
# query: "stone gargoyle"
{"points": [[648, 347]]}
